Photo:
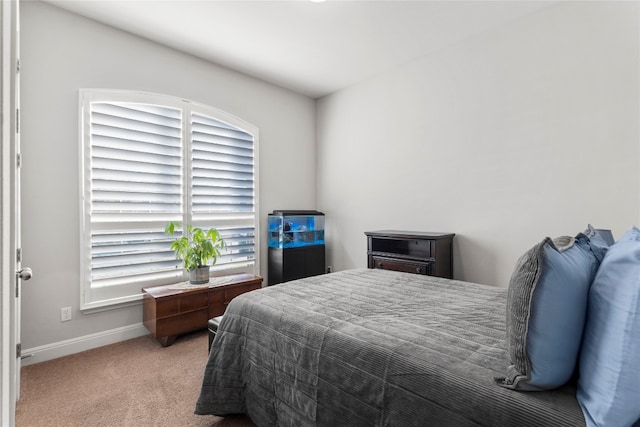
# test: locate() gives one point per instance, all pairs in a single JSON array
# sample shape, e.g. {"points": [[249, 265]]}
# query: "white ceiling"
{"points": [[311, 48]]}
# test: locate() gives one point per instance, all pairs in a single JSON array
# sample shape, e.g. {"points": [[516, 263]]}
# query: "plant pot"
{"points": [[199, 276]]}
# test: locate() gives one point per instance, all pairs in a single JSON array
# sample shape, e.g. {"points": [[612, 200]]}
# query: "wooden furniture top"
{"points": [[171, 290], [409, 234]]}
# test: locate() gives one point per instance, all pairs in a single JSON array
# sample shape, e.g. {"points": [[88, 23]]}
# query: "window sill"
{"points": [[108, 305]]}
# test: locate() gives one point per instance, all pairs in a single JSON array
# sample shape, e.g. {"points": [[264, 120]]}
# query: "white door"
{"points": [[12, 271]]}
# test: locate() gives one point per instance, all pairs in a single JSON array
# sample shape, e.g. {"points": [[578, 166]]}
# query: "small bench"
{"points": [[213, 328]]}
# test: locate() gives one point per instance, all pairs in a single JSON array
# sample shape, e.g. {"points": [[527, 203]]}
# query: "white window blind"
{"points": [[222, 183], [150, 159]]}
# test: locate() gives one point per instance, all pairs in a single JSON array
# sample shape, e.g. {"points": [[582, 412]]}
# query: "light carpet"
{"points": [[132, 383]]}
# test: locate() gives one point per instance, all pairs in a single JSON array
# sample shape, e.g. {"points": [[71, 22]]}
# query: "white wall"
{"points": [[526, 131], [62, 52]]}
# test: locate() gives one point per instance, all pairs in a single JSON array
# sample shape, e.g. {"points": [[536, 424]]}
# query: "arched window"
{"points": [[148, 159]]}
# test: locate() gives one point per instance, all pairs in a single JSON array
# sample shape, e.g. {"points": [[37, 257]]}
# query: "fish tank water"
{"points": [[292, 229]]}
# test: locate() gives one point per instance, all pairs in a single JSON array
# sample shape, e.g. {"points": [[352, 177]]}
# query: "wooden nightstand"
{"points": [[411, 251], [169, 311]]}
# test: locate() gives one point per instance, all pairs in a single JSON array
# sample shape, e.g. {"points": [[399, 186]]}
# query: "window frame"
{"points": [[93, 298]]}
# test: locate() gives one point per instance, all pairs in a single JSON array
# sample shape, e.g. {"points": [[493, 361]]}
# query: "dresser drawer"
{"points": [[181, 323], [181, 304], [232, 292], [416, 267], [416, 248], [220, 297]]}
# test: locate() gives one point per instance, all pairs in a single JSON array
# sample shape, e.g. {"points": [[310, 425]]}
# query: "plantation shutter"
{"points": [[135, 188], [223, 186], [148, 159]]}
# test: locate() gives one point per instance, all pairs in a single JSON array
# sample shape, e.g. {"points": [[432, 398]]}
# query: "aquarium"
{"points": [[291, 229]]}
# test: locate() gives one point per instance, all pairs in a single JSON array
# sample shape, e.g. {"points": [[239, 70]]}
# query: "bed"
{"points": [[369, 347]]}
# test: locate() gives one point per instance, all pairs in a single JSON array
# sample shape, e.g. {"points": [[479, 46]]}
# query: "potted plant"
{"points": [[196, 248]]}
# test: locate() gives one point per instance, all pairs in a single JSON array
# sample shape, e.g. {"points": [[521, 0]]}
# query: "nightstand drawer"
{"points": [[416, 267]]}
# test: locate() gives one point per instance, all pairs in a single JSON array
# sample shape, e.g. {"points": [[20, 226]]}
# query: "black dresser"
{"points": [[411, 251]]}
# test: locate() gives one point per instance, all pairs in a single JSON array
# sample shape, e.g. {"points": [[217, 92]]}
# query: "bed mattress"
{"points": [[372, 347]]}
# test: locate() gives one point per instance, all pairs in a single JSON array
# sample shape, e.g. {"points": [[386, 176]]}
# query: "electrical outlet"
{"points": [[65, 314], [329, 269]]}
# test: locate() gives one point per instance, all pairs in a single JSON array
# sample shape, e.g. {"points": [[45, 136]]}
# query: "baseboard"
{"points": [[87, 342]]}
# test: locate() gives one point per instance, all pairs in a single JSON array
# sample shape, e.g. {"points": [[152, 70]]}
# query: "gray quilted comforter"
{"points": [[372, 348]]}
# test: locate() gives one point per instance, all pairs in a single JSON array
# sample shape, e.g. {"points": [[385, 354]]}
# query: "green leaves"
{"points": [[195, 247]]}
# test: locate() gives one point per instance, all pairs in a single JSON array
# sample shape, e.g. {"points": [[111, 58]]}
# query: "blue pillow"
{"points": [[609, 382], [546, 311], [598, 243]]}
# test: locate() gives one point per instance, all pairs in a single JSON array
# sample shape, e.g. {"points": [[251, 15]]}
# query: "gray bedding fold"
{"points": [[372, 348]]}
